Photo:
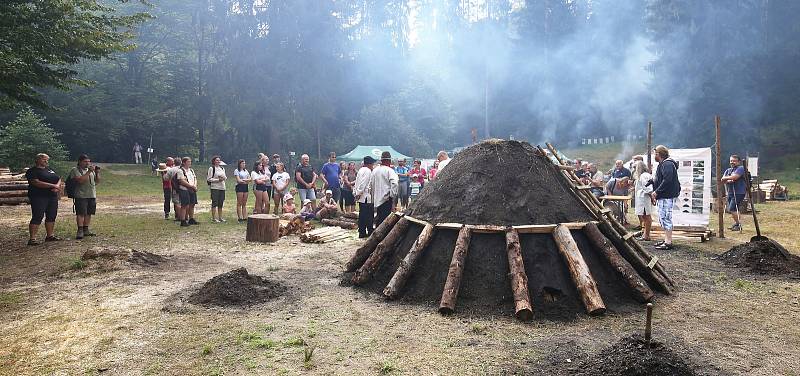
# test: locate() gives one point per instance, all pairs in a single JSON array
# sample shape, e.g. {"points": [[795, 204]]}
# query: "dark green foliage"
{"points": [[43, 40], [26, 136]]}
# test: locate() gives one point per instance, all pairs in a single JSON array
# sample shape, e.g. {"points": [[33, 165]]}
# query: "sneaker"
{"points": [[221, 220], [79, 234], [664, 247], [87, 232], [52, 238], [214, 220], [33, 242], [184, 224], [659, 243], [193, 222], [736, 227], [166, 216]]}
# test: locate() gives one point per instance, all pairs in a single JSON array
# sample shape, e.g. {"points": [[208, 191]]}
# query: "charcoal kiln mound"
{"points": [[765, 257], [630, 356], [236, 288], [505, 229]]}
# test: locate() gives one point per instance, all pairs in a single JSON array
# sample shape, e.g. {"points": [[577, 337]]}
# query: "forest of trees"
{"points": [[235, 77]]}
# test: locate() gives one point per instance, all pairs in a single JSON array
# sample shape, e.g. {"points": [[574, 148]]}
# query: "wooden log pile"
{"points": [[293, 224], [324, 235], [637, 269], [13, 188]]}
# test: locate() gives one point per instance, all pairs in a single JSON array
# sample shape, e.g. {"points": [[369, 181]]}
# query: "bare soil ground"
{"points": [[64, 315]]}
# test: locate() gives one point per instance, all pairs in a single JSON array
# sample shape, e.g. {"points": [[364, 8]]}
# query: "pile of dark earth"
{"points": [[631, 356], [499, 182], [236, 288], [132, 256], [506, 183], [765, 257]]}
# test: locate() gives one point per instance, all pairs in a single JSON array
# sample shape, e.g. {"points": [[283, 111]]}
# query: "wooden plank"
{"points": [[534, 229], [417, 220], [487, 228], [449, 226]]}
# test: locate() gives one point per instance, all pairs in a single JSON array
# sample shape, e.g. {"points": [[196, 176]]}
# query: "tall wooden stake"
{"points": [[720, 205], [650, 146], [648, 327]]}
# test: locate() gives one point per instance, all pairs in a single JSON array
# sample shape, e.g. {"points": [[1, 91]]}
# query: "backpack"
{"points": [[176, 185], [71, 186], [213, 173]]}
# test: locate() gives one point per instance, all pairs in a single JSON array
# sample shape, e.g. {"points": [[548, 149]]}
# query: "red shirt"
{"points": [[420, 174]]}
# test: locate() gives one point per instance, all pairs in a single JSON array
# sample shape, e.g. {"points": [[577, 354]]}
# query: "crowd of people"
{"points": [[378, 186]]}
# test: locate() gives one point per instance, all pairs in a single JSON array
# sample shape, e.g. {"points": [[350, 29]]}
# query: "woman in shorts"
{"points": [[280, 185], [348, 182], [260, 175], [242, 181], [44, 187]]}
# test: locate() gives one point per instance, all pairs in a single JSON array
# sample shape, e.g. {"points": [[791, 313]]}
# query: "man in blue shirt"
{"points": [[735, 189], [403, 182], [330, 175]]}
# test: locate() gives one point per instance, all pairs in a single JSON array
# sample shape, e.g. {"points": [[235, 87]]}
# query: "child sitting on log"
{"points": [[328, 208]]}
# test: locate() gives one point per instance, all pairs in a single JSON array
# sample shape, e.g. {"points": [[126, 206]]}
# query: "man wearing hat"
{"points": [[361, 192], [383, 186]]}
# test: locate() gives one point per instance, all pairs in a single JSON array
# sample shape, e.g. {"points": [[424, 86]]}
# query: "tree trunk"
{"points": [[384, 248], [579, 271], [624, 269], [448, 303], [363, 252], [523, 309], [264, 228], [9, 194], [407, 265]]}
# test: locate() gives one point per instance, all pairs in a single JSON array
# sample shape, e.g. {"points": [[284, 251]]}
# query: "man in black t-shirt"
{"points": [[306, 178], [43, 190]]}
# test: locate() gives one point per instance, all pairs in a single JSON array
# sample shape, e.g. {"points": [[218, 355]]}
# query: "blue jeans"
{"points": [[307, 194]]}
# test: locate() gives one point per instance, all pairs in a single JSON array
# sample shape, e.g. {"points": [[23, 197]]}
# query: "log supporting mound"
{"points": [[236, 288], [765, 257], [630, 356], [504, 229]]}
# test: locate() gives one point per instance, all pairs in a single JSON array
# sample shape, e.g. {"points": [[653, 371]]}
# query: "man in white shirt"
{"points": [[366, 212], [383, 186], [444, 159]]}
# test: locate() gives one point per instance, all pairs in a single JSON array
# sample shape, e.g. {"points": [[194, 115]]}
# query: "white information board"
{"points": [[693, 206]]}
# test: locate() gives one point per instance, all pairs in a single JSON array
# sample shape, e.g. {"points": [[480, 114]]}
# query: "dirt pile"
{"points": [[121, 256], [499, 182], [236, 288], [631, 356], [763, 257]]}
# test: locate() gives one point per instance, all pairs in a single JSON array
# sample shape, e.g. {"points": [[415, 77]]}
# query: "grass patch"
{"points": [[741, 284], [294, 342], [386, 367], [308, 355], [207, 349], [75, 263], [478, 329], [8, 299]]}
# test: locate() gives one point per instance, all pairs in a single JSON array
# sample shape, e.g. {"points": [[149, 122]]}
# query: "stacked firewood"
{"points": [[347, 221], [13, 188], [324, 235], [293, 224]]}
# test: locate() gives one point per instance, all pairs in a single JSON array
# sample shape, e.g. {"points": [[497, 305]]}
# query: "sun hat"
{"points": [[329, 192], [162, 167], [369, 160], [386, 155], [288, 196], [306, 202]]}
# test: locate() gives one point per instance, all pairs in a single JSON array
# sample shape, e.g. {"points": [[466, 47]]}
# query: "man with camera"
{"points": [[187, 190], [86, 176]]}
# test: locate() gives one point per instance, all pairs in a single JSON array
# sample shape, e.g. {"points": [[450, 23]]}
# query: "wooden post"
{"points": [[450, 293], [579, 271], [363, 252], [400, 276], [641, 291], [264, 228], [720, 190], [650, 146], [364, 273], [523, 309], [648, 327]]}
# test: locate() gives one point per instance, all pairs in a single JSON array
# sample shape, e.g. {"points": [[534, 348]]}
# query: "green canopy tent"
{"points": [[361, 151]]}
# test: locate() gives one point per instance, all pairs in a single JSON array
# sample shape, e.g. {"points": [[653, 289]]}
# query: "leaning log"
{"points": [[450, 293], [343, 224], [523, 309], [635, 259], [641, 291], [386, 246], [406, 267], [363, 252], [579, 271]]}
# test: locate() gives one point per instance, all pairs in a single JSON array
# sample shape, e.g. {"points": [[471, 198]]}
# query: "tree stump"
{"points": [[264, 228]]}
